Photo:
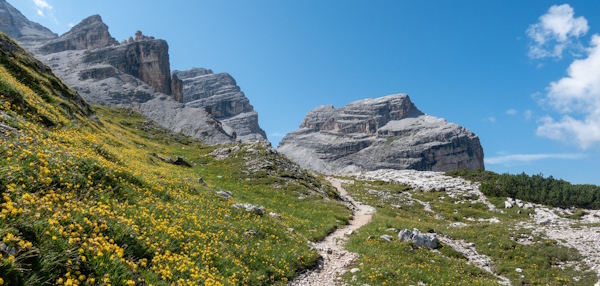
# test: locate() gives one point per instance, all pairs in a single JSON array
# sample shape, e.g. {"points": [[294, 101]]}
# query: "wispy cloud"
{"points": [[528, 114], [511, 112], [555, 32], [44, 9], [277, 135], [519, 159], [491, 119]]}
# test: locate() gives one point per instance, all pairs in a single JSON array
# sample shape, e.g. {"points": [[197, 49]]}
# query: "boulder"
{"points": [[224, 195], [250, 208], [425, 240], [508, 205], [381, 133], [519, 203]]}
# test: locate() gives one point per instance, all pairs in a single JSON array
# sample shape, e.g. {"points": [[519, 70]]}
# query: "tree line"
{"points": [[535, 188]]}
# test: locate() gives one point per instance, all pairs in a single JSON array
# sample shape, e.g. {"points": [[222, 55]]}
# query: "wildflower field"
{"points": [[85, 201]]}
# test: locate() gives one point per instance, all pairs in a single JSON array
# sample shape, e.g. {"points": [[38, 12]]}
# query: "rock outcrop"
{"points": [[90, 34], [147, 60], [382, 133], [177, 88], [136, 73], [426, 240], [18, 27], [219, 95]]}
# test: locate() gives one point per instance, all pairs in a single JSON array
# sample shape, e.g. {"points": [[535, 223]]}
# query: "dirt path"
{"points": [[336, 259]]}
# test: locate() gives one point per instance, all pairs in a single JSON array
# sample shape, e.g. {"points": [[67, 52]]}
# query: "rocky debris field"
{"points": [[582, 234], [456, 188]]}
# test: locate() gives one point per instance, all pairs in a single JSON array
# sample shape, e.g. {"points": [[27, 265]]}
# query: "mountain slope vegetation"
{"points": [[89, 197], [536, 188]]}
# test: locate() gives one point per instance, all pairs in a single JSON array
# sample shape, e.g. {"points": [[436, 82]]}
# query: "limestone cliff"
{"points": [[146, 60], [136, 73], [382, 133], [223, 99]]}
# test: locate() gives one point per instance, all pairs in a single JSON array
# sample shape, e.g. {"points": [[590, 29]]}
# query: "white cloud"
{"points": [[44, 9], [577, 97], [511, 112], [516, 159], [490, 119], [42, 4], [71, 25], [555, 32]]}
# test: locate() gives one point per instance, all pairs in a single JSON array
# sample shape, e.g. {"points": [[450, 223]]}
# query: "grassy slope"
{"points": [[85, 202], [401, 263]]}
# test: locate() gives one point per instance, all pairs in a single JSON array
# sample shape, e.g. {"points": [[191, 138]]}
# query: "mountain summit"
{"points": [[90, 34], [380, 133], [17, 26]]}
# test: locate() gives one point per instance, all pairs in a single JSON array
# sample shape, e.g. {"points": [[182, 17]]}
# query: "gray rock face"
{"points": [[136, 73], [177, 88], [382, 133], [147, 60], [17, 26], [90, 34], [222, 98], [103, 84]]}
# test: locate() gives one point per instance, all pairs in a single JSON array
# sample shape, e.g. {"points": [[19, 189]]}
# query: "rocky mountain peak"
{"points": [[380, 133], [136, 73], [89, 21], [363, 116], [89, 34], [17, 26]]}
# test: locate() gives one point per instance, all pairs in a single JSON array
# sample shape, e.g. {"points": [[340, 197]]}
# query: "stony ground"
{"points": [[336, 260], [582, 234]]}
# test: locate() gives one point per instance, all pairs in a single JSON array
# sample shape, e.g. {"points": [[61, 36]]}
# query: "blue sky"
{"points": [[523, 75]]}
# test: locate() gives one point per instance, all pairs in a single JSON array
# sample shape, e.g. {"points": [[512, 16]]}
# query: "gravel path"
{"points": [[336, 259]]}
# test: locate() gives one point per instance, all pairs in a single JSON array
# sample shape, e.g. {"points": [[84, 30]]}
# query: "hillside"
{"points": [[89, 196], [101, 195]]}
